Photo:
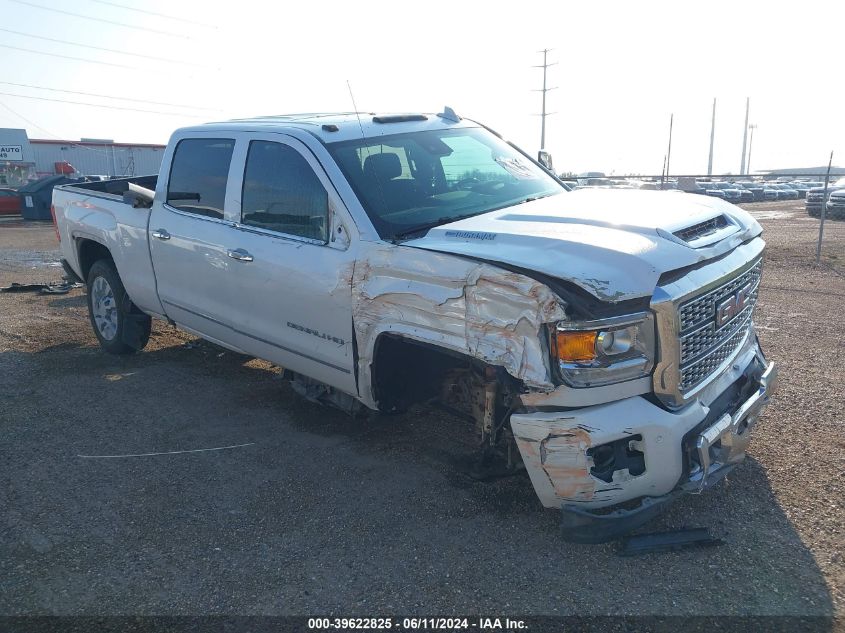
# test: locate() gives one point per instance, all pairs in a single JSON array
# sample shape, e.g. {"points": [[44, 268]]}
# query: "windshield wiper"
{"points": [[430, 225], [533, 198]]}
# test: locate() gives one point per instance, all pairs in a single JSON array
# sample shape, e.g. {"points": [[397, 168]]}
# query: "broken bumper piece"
{"points": [[611, 468]]}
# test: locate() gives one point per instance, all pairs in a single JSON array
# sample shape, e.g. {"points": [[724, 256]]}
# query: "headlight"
{"points": [[595, 353]]}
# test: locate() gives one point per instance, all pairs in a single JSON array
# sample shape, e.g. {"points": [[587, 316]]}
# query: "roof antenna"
{"points": [[364, 138], [355, 107], [449, 114]]}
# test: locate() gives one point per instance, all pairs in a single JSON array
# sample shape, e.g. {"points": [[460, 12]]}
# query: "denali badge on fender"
{"points": [[733, 305]]}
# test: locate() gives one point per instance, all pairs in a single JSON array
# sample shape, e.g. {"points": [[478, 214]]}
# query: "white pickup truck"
{"points": [[603, 340]]}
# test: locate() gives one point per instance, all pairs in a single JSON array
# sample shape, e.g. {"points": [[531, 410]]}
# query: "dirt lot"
{"points": [[312, 512]]}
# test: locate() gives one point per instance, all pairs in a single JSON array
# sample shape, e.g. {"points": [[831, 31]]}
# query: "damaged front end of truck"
{"points": [[613, 407]]}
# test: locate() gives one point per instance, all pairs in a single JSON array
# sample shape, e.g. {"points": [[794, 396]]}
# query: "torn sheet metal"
{"points": [[491, 314], [554, 449]]}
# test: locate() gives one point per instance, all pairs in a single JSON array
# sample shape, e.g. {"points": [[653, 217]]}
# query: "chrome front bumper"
{"points": [[685, 451], [723, 444]]}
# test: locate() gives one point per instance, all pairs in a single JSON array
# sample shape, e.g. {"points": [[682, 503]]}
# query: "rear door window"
{"points": [[198, 176], [282, 193]]}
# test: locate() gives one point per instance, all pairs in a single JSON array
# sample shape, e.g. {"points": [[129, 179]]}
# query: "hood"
{"points": [[614, 244]]}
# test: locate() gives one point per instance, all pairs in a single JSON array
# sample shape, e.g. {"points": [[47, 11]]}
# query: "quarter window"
{"points": [[282, 193], [198, 176]]}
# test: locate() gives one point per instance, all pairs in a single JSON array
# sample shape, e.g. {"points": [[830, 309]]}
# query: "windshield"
{"points": [[411, 182]]}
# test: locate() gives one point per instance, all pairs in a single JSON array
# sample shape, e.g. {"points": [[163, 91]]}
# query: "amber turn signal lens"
{"points": [[575, 346]]}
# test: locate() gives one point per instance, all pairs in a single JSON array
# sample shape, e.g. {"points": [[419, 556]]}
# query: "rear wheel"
{"points": [[119, 326]]}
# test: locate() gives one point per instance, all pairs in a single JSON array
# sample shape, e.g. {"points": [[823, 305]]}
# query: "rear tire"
{"points": [[118, 324]]}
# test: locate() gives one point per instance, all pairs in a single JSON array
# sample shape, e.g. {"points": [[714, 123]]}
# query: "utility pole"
{"points": [[544, 90], [712, 138], [751, 127], [744, 137]]}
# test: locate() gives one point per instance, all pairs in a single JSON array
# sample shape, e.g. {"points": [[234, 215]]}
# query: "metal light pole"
{"points": [[744, 136], [751, 127], [712, 137]]}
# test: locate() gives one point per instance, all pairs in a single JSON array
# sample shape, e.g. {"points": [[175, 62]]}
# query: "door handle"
{"points": [[161, 234], [240, 254]]}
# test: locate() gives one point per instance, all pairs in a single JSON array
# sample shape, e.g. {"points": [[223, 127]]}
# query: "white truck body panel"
{"points": [[613, 243], [106, 220], [472, 287]]}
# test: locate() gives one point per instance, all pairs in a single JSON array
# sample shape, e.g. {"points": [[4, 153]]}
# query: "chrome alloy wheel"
{"points": [[104, 308]]}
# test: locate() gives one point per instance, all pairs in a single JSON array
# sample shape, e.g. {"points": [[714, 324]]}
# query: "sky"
{"points": [[621, 69]]}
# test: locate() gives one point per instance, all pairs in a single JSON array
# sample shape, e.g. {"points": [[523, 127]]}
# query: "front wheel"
{"points": [[120, 327]]}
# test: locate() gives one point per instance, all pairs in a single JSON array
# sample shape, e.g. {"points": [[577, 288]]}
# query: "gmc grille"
{"points": [[704, 346]]}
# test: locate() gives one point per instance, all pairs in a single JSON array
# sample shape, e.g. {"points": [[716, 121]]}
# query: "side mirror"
{"points": [[545, 159]]}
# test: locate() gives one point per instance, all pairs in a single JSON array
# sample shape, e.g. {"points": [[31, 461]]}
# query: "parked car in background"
{"points": [[755, 188], [649, 185], [790, 191], [689, 185], [799, 187], [745, 194], [594, 183], [836, 205], [769, 194], [815, 197], [732, 194], [583, 177], [784, 191], [10, 203], [711, 190]]}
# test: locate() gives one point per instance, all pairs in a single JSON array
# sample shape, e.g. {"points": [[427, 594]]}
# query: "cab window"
{"points": [[198, 176], [282, 193]]}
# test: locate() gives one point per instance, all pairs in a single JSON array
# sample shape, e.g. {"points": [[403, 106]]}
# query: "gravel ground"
{"points": [[316, 513]]}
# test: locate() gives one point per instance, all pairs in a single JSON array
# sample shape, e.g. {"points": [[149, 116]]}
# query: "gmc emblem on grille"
{"points": [[733, 305]]}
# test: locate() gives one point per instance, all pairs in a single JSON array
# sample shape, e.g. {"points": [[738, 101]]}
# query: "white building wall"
{"points": [[95, 159]]}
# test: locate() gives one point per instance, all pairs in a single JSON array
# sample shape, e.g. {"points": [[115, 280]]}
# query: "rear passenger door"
{"points": [[188, 237], [291, 291]]}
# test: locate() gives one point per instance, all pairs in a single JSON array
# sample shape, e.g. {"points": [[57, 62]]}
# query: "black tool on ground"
{"points": [[668, 541], [54, 288]]}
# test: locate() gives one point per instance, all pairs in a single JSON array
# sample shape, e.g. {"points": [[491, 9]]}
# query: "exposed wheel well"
{"points": [[407, 372], [89, 252]]}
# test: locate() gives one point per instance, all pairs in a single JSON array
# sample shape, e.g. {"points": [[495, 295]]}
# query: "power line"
{"points": [[106, 107], [94, 94], [88, 17], [100, 48], [160, 15], [78, 59]]}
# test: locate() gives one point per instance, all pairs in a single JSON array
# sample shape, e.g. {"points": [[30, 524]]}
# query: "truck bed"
{"points": [[116, 186], [96, 219]]}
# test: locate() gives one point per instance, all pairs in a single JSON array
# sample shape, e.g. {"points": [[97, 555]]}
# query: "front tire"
{"points": [[119, 326]]}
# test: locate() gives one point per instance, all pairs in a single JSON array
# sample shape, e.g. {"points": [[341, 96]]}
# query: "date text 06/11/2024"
{"points": [[415, 624]]}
